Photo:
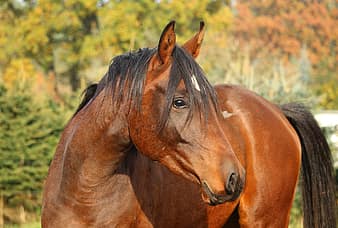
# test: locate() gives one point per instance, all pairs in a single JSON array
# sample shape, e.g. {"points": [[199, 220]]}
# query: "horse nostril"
{"points": [[231, 184]]}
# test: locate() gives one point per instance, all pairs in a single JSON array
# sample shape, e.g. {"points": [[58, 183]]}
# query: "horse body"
{"points": [[92, 183], [165, 153], [143, 193], [270, 153]]}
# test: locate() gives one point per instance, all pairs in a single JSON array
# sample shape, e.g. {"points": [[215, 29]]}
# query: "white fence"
{"points": [[328, 120]]}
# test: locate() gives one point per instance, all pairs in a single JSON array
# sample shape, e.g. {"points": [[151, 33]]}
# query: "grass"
{"points": [[27, 225]]}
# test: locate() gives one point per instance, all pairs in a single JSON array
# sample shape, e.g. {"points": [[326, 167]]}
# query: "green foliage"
{"points": [[296, 211], [29, 131], [65, 37], [28, 225], [325, 84]]}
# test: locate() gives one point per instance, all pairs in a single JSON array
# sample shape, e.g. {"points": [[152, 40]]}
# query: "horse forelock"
{"points": [[125, 79], [201, 93]]}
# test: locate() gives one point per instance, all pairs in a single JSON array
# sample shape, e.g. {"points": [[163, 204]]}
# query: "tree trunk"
{"points": [[74, 77], [1, 211], [22, 214]]}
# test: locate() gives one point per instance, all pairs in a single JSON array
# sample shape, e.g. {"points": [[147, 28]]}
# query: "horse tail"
{"points": [[318, 189]]}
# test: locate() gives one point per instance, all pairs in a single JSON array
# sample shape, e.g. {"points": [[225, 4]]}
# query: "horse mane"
{"points": [[87, 94], [126, 76]]}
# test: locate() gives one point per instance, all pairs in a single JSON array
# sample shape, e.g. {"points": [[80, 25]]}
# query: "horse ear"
{"points": [[194, 44], [167, 43]]}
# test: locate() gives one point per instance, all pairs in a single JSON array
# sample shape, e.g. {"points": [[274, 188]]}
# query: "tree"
{"points": [[42, 28], [281, 29], [29, 131], [269, 77], [284, 27], [65, 38]]}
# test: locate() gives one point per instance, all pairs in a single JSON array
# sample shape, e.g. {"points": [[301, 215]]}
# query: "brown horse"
{"points": [[154, 136]]}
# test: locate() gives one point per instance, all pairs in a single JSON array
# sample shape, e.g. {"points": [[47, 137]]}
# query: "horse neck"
{"points": [[92, 146]]}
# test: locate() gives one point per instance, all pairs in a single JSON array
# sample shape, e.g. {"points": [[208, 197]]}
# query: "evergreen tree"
{"points": [[29, 131]]}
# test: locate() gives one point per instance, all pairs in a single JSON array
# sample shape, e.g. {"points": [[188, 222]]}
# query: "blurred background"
{"points": [[50, 50]]}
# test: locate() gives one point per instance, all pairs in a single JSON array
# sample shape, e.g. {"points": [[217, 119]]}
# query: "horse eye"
{"points": [[179, 103]]}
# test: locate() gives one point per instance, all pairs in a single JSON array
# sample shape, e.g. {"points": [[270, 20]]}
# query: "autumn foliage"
{"points": [[282, 28]]}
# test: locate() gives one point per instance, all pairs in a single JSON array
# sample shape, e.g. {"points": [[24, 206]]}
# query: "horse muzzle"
{"points": [[233, 188]]}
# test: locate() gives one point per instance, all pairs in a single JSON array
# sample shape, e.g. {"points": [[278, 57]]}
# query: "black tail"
{"points": [[318, 188]]}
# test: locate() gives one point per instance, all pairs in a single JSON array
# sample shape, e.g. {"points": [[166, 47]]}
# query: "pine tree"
{"points": [[29, 131]]}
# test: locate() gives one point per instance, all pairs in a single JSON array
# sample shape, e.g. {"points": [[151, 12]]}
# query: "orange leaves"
{"points": [[284, 28], [279, 29]]}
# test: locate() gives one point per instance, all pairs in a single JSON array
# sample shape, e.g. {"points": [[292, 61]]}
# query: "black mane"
{"points": [[126, 76]]}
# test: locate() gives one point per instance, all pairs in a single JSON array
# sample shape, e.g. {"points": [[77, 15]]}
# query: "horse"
{"points": [[153, 144]]}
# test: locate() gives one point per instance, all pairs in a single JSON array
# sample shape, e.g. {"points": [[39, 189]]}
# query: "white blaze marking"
{"points": [[195, 83], [226, 114]]}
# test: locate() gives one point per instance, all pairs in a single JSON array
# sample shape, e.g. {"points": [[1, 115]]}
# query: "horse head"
{"points": [[177, 121]]}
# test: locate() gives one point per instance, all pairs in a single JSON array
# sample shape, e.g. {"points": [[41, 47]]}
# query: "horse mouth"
{"points": [[214, 199]]}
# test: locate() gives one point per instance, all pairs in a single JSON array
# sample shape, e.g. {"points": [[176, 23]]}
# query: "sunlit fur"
{"points": [[103, 173]]}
